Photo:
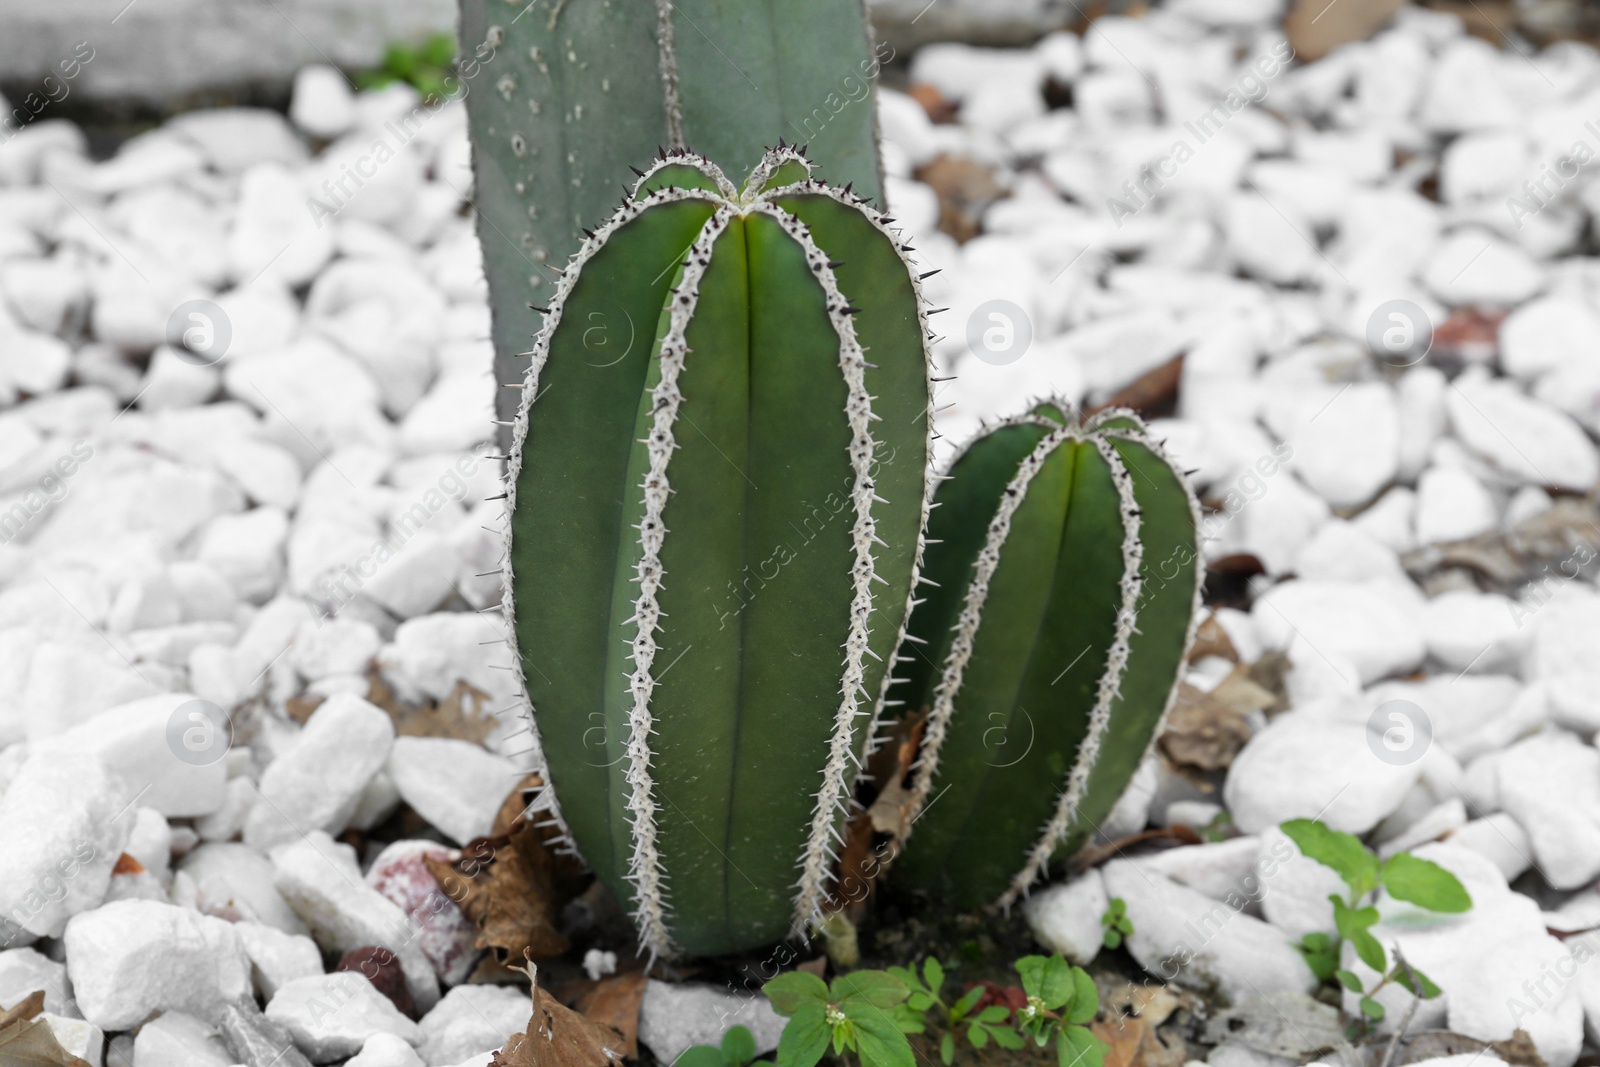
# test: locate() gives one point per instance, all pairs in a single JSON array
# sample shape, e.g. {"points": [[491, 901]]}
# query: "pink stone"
{"points": [[441, 930]]}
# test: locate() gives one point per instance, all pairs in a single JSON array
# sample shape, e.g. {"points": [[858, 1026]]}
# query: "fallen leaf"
{"points": [[1153, 395], [614, 1002], [939, 108], [557, 1036], [1210, 639], [965, 187], [1284, 1023], [1124, 1036], [513, 884], [460, 715], [126, 864], [1518, 1050], [1095, 855], [1316, 27], [28, 1041], [1205, 731], [300, 707]]}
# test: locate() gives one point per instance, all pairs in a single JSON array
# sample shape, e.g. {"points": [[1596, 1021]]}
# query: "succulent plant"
{"points": [[1066, 575], [562, 97], [718, 488]]}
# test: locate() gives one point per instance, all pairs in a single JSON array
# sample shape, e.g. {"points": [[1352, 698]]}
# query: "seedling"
{"points": [[1118, 927], [984, 1024], [1405, 877], [737, 1050]]}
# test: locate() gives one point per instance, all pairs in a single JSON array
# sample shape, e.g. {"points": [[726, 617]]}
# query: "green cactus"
{"points": [[717, 512], [562, 97], [1067, 581]]}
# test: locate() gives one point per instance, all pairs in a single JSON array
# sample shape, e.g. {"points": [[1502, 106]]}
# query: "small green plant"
{"points": [[1118, 926], [425, 67], [1405, 877], [871, 1012], [737, 1050], [858, 1013], [984, 1024], [1061, 999]]}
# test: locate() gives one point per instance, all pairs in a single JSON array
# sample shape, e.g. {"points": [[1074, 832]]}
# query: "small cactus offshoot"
{"points": [[1067, 567]]}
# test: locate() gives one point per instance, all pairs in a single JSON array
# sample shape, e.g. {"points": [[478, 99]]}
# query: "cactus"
{"points": [[717, 506], [1067, 581], [562, 97]]}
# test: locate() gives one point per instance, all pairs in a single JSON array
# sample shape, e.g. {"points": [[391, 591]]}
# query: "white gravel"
{"points": [[283, 514]]}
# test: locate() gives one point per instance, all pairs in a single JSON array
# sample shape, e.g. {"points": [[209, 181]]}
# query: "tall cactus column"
{"points": [[1067, 571], [714, 537], [562, 97]]}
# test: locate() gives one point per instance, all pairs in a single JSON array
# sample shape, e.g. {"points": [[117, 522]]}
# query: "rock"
{"points": [[316, 784], [33, 362], [1562, 630], [321, 881], [1465, 713], [63, 823], [387, 1050], [1420, 397], [134, 741], [331, 1016], [1372, 625], [1276, 525], [674, 1016], [150, 842], [24, 971], [433, 652], [76, 1037], [1346, 438], [1452, 505], [1465, 629], [1523, 438], [1296, 888], [175, 382], [1341, 551], [447, 938], [1439, 822], [1500, 839], [1065, 918], [321, 103], [454, 415], [1183, 936], [1547, 333], [233, 139], [228, 821], [253, 1038], [1473, 266], [235, 882], [274, 236], [1550, 784], [457, 786], [135, 957], [176, 1039], [1222, 870], [1316, 762], [277, 958], [473, 1019], [247, 550], [339, 646]]}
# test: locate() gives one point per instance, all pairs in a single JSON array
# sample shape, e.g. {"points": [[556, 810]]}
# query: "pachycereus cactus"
{"points": [[1067, 578], [719, 478]]}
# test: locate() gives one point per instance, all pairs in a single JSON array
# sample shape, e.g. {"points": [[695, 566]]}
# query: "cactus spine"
{"points": [[563, 97], [718, 490], [1068, 578]]}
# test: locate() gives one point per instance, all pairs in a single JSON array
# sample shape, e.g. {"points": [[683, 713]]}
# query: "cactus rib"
{"points": [[1110, 686]]}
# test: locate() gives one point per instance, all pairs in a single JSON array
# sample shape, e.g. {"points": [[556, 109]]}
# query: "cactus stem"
{"points": [[1066, 811]]}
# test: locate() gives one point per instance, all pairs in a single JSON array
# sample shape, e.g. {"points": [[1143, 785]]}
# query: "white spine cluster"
{"points": [[644, 867], [833, 797], [966, 628], [540, 352]]}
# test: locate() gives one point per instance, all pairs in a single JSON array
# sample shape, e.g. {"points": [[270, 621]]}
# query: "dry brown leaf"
{"points": [[1132, 1041], [1316, 27], [1205, 731], [460, 715], [966, 187], [513, 884], [28, 1041], [614, 1002], [1210, 639], [938, 107], [557, 1036], [1154, 394]]}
